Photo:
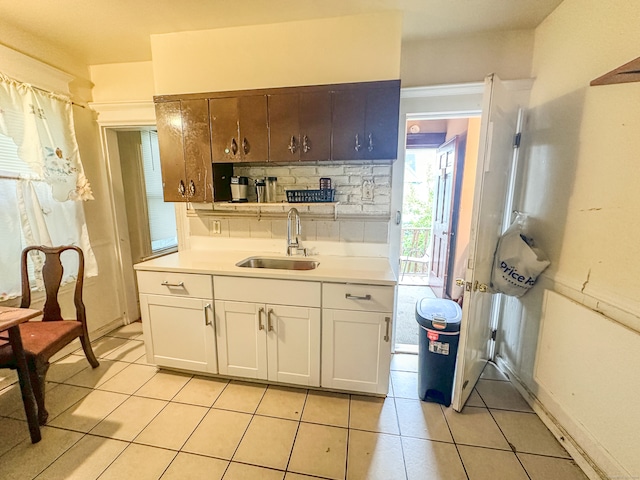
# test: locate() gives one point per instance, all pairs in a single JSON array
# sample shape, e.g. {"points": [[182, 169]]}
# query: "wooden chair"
{"points": [[43, 339]]}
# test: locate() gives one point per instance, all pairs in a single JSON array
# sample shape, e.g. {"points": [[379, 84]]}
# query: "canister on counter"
{"points": [[271, 187]]}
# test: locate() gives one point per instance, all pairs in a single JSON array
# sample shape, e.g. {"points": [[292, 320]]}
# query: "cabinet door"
{"points": [[293, 345], [225, 146], [241, 339], [348, 123], [356, 350], [254, 136], [381, 123], [284, 132], [197, 150], [169, 124], [315, 126], [179, 332]]}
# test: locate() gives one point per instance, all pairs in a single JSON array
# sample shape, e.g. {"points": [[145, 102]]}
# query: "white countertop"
{"points": [[368, 270]]}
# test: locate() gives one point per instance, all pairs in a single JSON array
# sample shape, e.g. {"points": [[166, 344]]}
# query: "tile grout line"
{"points": [[464, 467], [306, 397], [511, 446]]}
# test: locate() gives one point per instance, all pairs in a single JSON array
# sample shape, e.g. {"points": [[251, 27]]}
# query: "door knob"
{"points": [[460, 282]]}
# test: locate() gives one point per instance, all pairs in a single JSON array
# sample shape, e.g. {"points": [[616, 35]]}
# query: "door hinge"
{"points": [[493, 335], [517, 138]]}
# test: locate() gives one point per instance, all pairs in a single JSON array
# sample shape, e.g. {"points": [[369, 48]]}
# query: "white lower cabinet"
{"points": [[307, 333], [356, 342], [268, 341], [178, 329]]}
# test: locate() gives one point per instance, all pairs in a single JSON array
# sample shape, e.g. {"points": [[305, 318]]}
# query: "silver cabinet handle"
{"points": [[292, 145], [192, 189], [388, 322], [269, 323], [306, 144], [167, 284], [206, 317], [181, 188], [357, 297], [358, 145], [260, 324], [245, 146], [370, 147], [234, 146]]}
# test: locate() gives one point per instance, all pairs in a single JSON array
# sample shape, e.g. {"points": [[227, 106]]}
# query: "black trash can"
{"points": [[438, 338]]}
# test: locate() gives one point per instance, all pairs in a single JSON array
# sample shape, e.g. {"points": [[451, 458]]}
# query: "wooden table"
{"points": [[10, 319]]}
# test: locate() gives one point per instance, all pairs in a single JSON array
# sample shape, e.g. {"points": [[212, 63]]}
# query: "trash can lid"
{"points": [[439, 314]]}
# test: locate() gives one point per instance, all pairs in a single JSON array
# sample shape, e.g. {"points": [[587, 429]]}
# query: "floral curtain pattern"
{"points": [[41, 181], [41, 125]]}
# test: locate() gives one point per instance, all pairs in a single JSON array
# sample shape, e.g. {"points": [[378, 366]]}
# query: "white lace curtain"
{"points": [[41, 125], [41, 182]]}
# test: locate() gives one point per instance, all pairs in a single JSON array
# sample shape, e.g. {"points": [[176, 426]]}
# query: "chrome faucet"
{"points": [[293, 230]]}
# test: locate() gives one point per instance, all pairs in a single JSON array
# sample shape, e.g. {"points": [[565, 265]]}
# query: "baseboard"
{"points": [[577, 453]]}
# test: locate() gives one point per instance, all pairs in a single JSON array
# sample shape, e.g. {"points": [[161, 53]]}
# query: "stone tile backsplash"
{"points": [[346, 179], [368, 216], [348, 230]]}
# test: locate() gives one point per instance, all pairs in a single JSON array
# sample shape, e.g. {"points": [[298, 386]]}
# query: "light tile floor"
{"points": [[127, 420]]}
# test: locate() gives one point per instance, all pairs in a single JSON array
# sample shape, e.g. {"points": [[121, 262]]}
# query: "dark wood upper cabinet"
{"points": [[197, 150], [355, 121], [365, 122], [169, 125], [299, 126], [239, 130], [185, 153]]}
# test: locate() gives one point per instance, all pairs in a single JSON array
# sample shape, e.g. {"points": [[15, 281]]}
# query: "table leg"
{"points": [[28, 398]]}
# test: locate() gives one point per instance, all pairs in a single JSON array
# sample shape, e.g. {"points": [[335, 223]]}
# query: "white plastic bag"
{"points": [[517, 262]]}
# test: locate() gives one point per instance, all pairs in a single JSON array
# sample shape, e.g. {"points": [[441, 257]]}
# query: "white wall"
{"points": [[582, 196], [313, 52], [467, 59], [122, 82]]}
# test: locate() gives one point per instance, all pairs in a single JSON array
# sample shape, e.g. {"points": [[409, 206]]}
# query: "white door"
{"points": [[194, 348], [293, 345], [498, 127], [356, 350], [241, 339]]}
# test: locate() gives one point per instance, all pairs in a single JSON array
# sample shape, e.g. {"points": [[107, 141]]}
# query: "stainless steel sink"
{"points": [[278, 263]]}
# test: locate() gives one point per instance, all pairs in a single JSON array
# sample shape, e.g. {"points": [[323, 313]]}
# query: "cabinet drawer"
{"points": [[370, 298], [178, 284], [259, 290]]}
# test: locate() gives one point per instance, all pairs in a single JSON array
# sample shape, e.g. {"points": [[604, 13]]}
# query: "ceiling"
{"points": [[98, 31]]}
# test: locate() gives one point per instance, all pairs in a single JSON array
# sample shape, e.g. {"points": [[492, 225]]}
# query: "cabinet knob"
{"points": [[306, 144], [292, 145], [181, 188]]}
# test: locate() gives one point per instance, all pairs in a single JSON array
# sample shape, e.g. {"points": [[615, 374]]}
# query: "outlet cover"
{"points": [[367, 190], [215, 227]]}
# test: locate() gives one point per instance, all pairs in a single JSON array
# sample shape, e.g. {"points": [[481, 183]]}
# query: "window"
{"points": [[41, 177], [162, 220]]}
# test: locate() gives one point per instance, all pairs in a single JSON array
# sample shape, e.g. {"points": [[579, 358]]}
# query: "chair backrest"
{"points": [[52, 272]]}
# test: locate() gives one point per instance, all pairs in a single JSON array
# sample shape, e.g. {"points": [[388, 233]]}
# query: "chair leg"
{"points": [[88, 351], [38, 373]]}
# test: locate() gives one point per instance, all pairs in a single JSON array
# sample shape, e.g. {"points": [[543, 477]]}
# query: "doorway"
{"points": [[145, 225], [440, 154]]}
